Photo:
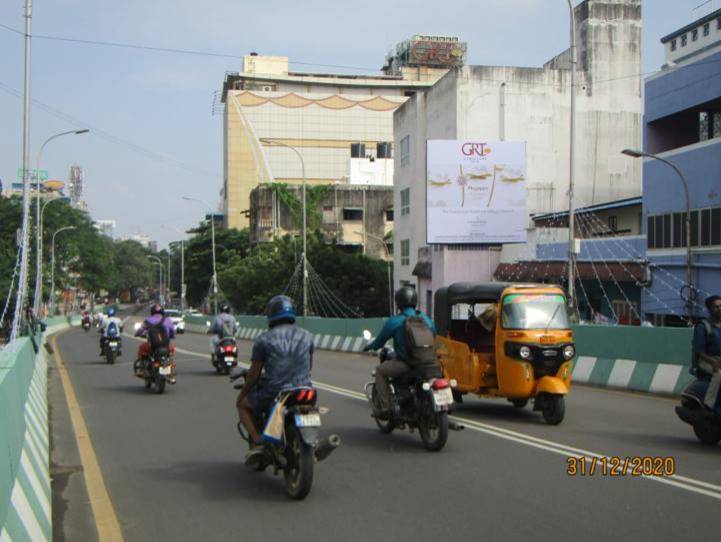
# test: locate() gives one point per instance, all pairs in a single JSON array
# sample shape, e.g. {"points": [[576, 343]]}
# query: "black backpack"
{"points": [[420, 341], [158, 336]]}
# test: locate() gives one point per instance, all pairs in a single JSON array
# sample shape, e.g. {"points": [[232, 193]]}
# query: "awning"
{"points": [[539, 270], [423, 270]]}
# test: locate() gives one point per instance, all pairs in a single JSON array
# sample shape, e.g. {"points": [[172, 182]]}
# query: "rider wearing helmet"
{"points": [[406, 301], [157, 317], [224, 326], [115, 329], [285, 353]]}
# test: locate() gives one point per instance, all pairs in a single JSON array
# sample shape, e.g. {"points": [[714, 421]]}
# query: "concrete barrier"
{"points": [[653, 360], [25, 495]]}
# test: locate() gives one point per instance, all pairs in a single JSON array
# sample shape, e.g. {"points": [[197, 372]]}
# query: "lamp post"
{"points": [[304, 225], [52, 267], [212, 243], [159, 262], [572, 163], [388, 267], [689, 277], [38, 220]]}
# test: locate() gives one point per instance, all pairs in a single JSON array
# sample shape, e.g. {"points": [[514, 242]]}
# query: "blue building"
{"points": [[682, 125]]}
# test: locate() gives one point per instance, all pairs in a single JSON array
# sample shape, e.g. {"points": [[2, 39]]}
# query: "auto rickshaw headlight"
{"points": [[454, 382], [569, 351], [525, 352]]}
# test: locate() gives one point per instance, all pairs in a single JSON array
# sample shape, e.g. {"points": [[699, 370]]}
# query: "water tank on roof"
{"points": [[357, 150], [384, 150]]}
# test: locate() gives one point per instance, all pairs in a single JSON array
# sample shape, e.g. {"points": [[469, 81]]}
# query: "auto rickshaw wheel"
{"points": [[707, 434], [554, 408], [519, 403]]}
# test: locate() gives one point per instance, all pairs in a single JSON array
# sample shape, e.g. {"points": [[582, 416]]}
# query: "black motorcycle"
{"points": [[225, 356], [706, 423], [299, 447], [86, 323], [112, 348], [157, 370], [420, 399]]}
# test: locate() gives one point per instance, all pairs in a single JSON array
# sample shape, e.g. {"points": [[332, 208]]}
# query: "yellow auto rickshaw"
{"points": [[507, 340]]}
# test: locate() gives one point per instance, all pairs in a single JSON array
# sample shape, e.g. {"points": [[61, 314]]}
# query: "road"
{"points": [[172, 464]]}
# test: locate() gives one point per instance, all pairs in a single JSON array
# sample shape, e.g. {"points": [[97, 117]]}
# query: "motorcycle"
{"points": [[420, 399], [112, 348], [706, 423], [299, 447], [225, 356], [157, 369], [86, 323]]}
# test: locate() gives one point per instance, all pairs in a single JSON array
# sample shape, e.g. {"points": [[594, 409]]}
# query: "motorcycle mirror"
{"points": [[207, 323], [137, 326], [367, 335]]}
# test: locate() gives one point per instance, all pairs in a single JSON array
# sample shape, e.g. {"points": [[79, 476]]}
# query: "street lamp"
{"points": [[388, 266], [38, 220], [212, 242], [572, 163], [158, 261], [305, 245], [52, 267], [689, 278]]}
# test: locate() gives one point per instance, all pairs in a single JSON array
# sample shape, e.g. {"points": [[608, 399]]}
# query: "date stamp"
{"points": [[621, 466]]}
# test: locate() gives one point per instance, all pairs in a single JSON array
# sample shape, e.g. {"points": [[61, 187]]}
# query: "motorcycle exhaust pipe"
{"points": [[326, 447], [454, 426]]}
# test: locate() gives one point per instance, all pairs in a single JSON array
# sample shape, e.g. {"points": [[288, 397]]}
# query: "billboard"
{"points": [[476, 192]]}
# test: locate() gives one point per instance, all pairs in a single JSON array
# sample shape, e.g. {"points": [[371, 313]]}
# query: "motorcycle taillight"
{"points": [[230, 349], [305, 396], [440, 383]]}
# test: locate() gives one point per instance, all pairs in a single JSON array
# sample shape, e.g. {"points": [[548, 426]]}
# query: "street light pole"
{"points": [[572, 163], [689, 276], [159, 262], [39, 223], [304, 225], [182, 267], [388, 267], [52, 267], [212, 243]]}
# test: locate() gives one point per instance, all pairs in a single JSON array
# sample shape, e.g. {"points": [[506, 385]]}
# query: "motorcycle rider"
{"points": [[406, 302], [105, 326], [707, 350], [285, 353], [223, 327], [157, 317]]}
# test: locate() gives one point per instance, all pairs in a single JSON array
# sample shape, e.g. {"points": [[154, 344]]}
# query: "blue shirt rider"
{"points": [[707, 351], [406, 301]]}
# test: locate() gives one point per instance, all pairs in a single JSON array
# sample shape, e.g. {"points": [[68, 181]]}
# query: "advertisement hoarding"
{"points": [[476, 192]]}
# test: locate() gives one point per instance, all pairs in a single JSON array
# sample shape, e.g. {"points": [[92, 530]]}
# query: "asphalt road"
{"points": [[173, 463]]}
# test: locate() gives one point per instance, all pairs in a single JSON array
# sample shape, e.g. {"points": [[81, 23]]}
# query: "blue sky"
{"points": [[159, 140]]}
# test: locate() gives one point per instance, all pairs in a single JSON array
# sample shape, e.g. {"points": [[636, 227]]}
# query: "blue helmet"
{"points": [[111, 311], [280, 309]]}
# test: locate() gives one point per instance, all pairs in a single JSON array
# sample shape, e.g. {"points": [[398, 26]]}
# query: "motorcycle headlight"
{"points": [[569, 351], [525, 352]]}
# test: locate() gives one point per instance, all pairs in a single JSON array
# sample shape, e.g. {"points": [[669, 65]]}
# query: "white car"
{"points": [[177, 318]]}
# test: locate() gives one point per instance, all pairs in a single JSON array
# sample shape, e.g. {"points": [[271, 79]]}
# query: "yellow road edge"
{"points": [[106, 520]]}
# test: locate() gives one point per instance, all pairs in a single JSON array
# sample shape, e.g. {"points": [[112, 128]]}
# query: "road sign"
{"points": [[33, 175]]}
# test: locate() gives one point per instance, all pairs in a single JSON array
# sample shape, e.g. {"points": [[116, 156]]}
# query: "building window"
{"points": [[684, 40], [405, 201], [389, 215], [405, 252], [694, 228], [328, 214], [694, 34], [716, 226], [673, 45], [613, 223], [705, 227], [706, 29], [352, 214], [678, 234], [718, 23], [405, 151]]}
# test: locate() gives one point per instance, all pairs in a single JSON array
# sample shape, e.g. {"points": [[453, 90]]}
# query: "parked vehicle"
{"points": [[507, 340], [706, 423], [299, 447], [420, 399], [225, 356]]}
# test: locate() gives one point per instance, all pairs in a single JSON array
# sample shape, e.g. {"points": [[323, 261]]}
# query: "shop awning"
{"points": [[539, 270]]}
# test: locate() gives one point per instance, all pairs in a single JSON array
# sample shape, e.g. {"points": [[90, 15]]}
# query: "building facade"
{"points": [[491, 103], [683, 126]]}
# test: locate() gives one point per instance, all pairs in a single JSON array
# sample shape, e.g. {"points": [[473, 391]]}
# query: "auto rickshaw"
{"points": [[507, 340]]}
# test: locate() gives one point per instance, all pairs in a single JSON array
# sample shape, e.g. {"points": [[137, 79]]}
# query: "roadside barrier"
{"points": [[25, 495], [655, 360]]}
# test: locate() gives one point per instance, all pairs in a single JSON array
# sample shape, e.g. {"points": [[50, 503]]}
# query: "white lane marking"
{"points": [[689, 484], [665, 377], [621, 373], [583, 368]]}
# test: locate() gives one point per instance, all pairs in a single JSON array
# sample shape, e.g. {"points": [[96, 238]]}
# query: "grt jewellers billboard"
{"points": [[476, 191]]}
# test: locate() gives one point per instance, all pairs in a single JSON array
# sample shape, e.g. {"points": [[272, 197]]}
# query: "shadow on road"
{"points": [[503, 411]]}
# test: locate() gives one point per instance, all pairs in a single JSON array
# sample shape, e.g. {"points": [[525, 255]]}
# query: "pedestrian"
{"points": [[707, 349]]}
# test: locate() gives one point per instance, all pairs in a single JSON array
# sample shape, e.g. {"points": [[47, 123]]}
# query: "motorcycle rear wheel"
{"points": [[707, 434], [298, 474], [110, 356], [160, 385], [386, 426], [433, 428]]}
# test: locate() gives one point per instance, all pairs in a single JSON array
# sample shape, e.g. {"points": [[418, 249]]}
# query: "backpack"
{"points": [[158, 336], [695, 369], [112, 329], [420, 341], [227, 328]]}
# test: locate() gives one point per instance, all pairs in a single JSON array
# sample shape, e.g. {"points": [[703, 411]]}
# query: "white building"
{"points": [[106, 227], [487, 103]]}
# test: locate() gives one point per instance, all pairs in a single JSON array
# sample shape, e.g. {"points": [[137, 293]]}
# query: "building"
{"points": [[141, 238], [282, 126], [492, 103], [106, 227], [682, 125], [357, 217]]}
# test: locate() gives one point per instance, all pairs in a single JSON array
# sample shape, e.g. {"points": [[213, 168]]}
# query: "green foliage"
{"points": [[314, 195]]}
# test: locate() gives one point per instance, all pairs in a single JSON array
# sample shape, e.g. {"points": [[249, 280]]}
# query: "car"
{"points": [[177, 318]]}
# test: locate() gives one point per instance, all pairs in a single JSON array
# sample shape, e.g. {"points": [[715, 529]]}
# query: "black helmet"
{"points": [[280, 309], [224, 307], [406, 297], [156, 308]]}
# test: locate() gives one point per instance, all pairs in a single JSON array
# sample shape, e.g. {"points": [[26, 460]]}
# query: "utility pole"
{"points": [[571, 165], [24, 245]]}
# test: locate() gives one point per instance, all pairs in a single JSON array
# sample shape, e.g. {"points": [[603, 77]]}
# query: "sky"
{"points": [[153, 137]]}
